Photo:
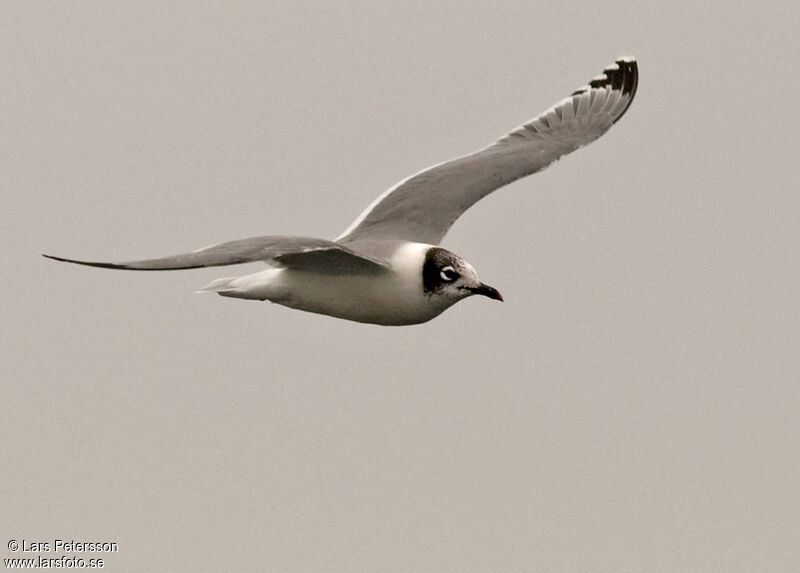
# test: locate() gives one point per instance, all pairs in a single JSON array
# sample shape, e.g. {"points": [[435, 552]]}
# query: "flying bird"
{"points": [[387, 268]]}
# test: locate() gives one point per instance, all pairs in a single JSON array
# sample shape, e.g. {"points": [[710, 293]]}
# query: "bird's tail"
{"points": [[223, 286], [258, 286]]}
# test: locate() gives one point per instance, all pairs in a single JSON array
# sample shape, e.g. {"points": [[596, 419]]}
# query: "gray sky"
{"points": [[633, 406]]}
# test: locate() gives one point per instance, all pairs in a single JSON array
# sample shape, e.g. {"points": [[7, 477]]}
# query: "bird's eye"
{"points": [[448, 274]]}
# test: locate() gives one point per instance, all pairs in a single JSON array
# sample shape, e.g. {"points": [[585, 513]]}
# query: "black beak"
{"points": [[486, 290]]}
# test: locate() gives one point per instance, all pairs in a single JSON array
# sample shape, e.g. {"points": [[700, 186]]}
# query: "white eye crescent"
{"points": [[448, 273]]}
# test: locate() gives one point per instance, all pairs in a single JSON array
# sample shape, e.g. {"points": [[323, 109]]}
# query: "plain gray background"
{"points": [[634, 405]]}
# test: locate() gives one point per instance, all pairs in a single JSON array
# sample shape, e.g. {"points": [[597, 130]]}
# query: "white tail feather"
{"points": [[219, 286]]}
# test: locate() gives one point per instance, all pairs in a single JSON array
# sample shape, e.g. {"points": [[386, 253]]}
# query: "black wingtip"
{"points": [[87, 263], [622, 75], [629, 77], [55, 258]]}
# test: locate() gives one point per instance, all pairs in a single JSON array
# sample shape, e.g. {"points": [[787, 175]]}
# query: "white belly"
{"points": [[379, 300], [390, 299]]}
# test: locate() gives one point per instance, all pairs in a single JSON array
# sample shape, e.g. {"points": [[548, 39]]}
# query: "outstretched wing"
{"points": [[423, 207], [301, 253]]}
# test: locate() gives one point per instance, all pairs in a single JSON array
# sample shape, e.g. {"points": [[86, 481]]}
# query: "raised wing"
{"points": [[423, 207], [301, 253]]}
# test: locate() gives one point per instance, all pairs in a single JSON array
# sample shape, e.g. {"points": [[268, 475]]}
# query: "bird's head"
{"points": [[445, 274]]}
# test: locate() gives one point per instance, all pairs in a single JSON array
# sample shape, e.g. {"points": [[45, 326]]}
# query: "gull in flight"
{"points": [[386, 267]]}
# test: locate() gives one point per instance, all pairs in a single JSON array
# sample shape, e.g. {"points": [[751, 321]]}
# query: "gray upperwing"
{"points": [[423, 207], [292, 252], [336, 260]]}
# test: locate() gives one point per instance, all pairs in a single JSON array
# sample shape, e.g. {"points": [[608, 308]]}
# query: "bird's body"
{"points": [[386, 268], [394, 297]]}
